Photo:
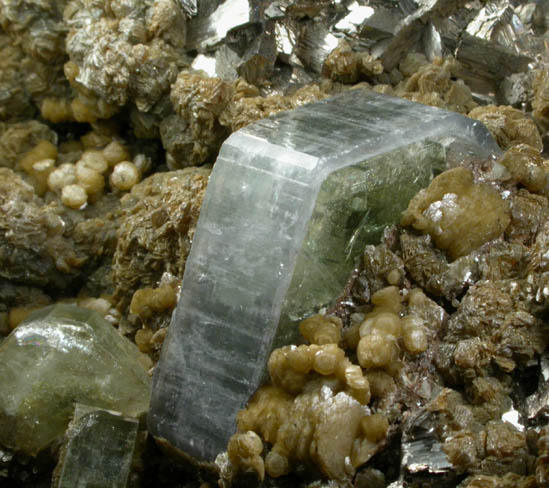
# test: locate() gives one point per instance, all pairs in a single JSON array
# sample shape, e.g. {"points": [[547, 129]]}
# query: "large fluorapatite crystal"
{"points": [[60, 355], [291, 202]]}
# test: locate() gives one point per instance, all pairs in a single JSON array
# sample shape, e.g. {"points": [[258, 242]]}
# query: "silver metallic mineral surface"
{"points": [[291, 202]]}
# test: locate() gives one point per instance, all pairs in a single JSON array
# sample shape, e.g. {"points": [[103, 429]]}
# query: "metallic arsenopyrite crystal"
{"points": [[314, 44], [215, 19], [189, 6], [291, 202], [421, 448], [60, 355], [537, 404], [498, 22], [98, 449]]}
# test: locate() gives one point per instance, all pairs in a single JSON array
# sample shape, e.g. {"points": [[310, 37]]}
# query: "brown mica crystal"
{"points": [[430, 269], [540, 104], [488, 326], [46, 245], [198, 100], [157, 222], [542, 464], [528, 214], [510, 480]]}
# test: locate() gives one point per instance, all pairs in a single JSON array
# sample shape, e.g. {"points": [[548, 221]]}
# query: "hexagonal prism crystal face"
{"points": [[59, 355], [353, 207], [98, 449], [291, 202]]}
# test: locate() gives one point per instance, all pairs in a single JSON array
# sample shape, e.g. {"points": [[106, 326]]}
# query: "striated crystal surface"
{"points": [[421, 448], [291, 201], [215, 19], [60, 355], [98, 449]]}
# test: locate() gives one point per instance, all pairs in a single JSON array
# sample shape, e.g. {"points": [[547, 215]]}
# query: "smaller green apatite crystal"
{"points": [[60, 355], [98, 449]]}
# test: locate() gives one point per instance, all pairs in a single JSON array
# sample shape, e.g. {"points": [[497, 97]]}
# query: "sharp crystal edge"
{"points": [[291, 202], [98, 449], [59, 355], [250, 36], [537, 404], [215, 19], [421, 448]]}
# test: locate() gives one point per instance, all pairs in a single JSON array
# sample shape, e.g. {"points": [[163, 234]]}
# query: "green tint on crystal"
{"points": [[286, 196], [353, 207], [60, 355], [98, 450]]}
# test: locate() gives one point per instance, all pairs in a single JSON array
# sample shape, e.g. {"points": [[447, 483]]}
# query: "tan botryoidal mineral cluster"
{"points": [[508, 125], [316, 408], [347, 66], [527, 167], [457, 213], [153, 306], [81, 171], [434, 83]]}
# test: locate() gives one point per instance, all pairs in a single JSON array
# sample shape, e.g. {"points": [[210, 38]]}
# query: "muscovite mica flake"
{"points": [[291, 202]]}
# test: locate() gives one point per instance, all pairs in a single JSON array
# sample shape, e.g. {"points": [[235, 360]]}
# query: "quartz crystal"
{"points": [[60, 355], [98, 449], [291, 202]]}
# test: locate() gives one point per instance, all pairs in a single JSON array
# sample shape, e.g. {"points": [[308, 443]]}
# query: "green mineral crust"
{"points": [[60, 355]]}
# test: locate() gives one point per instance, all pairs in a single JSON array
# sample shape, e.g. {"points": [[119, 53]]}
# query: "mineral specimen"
{"points": [[434, 83], [540, 103], [37, 236], [333, 422], [32, 66], [98, 449], [157, 223], [60, 355], [453, 207], [476, 323], [508, 125], [19, 138], [291, 201], [124, 52]]}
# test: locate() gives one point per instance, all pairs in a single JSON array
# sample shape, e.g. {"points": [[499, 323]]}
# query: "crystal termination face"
{"points": [[291, 201], [98, 449]]}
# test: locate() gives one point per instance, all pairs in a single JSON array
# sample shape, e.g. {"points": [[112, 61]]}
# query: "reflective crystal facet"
{"points": [[98, 449], [291, 202], [60, 355]]}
